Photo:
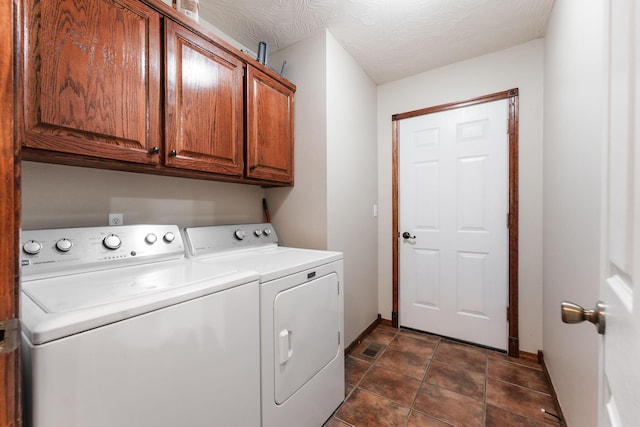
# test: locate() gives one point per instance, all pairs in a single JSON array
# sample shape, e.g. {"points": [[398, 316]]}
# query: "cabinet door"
{"points": [[91, 78], [269, 128], [203, 104]]}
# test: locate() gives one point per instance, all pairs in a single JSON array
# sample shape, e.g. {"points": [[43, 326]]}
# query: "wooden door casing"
{"points": [[10, 412], [513, 216], [270, 115], [92, 78], [204, 124]]}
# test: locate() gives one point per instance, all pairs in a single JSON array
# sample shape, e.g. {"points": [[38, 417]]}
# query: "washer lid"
{"points": [[62, 306], [81, 291]]}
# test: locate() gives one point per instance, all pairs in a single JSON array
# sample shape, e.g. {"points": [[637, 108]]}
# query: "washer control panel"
{"points": [[218, 238], [51, 252]]}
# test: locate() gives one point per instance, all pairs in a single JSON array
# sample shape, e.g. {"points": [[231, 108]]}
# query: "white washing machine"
{"points": [[120, 329], [301, 318]]}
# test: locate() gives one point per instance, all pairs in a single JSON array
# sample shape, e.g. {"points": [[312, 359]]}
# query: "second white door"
{"points": [[453, 203]]}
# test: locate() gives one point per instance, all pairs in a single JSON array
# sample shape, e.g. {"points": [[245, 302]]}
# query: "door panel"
{"points": [[453, 197], [620, 371], [204, 104], [270, 114], [91, 78]]}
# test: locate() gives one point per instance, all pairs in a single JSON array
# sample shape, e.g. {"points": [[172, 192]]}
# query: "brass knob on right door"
{"points": [[573, 313]]}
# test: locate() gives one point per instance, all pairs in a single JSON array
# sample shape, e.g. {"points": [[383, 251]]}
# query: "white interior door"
{"points": [[620, 404], [453, 202]]}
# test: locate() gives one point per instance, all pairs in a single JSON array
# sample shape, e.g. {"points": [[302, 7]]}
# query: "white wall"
{"points": [[352, 184], [331, 204], [233, 42], [67, 196], [518, 67], [300, 213], [573, 117]]}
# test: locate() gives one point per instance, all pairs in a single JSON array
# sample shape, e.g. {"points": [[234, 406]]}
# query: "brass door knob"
{"points": [[573, 313]]}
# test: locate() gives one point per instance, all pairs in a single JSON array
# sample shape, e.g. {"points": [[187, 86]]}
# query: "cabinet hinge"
{"points": [[338, 288], [508, 316], [338, 337]]}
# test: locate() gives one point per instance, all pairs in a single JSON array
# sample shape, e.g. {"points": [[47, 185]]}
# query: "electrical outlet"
{"points": [[116, 219]]}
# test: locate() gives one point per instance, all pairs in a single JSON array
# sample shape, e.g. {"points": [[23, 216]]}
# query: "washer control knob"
{"points": [[112, 242], [257, 232], [64, 245], [239, 234], [169, 237], [266, 231], [32, 247], [151, 238]]}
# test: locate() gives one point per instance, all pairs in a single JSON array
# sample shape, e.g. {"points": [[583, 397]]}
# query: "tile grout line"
{"points": [[424, 378]]}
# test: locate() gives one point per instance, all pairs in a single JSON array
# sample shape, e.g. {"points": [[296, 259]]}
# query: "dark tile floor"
{"points": [[423, 380]]}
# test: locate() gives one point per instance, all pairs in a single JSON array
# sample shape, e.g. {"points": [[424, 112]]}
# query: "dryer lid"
{"points": [[274, 262]]}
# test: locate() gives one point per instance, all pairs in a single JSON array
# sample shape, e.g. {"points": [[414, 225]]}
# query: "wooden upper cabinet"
{"points": [[204, 94], [270, 107], [91, 78]]}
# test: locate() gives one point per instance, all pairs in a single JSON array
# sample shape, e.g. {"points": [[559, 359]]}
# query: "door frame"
{"points": [[512, 218], [10, 410]]}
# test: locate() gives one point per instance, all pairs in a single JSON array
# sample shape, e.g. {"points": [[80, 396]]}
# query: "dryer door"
{"points": [[307, 327]]}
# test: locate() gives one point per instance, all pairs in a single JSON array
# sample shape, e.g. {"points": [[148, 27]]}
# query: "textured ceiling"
{"points": [[391, 39]]}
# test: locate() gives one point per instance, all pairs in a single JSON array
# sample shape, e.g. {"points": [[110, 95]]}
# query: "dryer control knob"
{"points": [[64, 245], [169, 237], [32, 247], [266, 231], [257, 232], [112, 242], [239, 234], [151, 238]]}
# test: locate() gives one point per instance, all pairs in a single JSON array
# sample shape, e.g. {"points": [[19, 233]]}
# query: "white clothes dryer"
{"points": [[301, 318], [120, 329]]}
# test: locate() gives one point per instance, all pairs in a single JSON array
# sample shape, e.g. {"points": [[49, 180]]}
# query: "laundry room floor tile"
{"points": [[392, 385], [519, 400], [416, 379], [364, 408], [519, 375], [354, 369], [458, 354], [413, 345], [456, 378], [418, 419], [451, 407], [405, 363], [497, 417]]}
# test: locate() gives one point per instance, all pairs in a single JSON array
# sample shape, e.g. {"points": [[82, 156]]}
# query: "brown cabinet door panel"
{"points": [[270, 111], [92, 72], [203, 105]]}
